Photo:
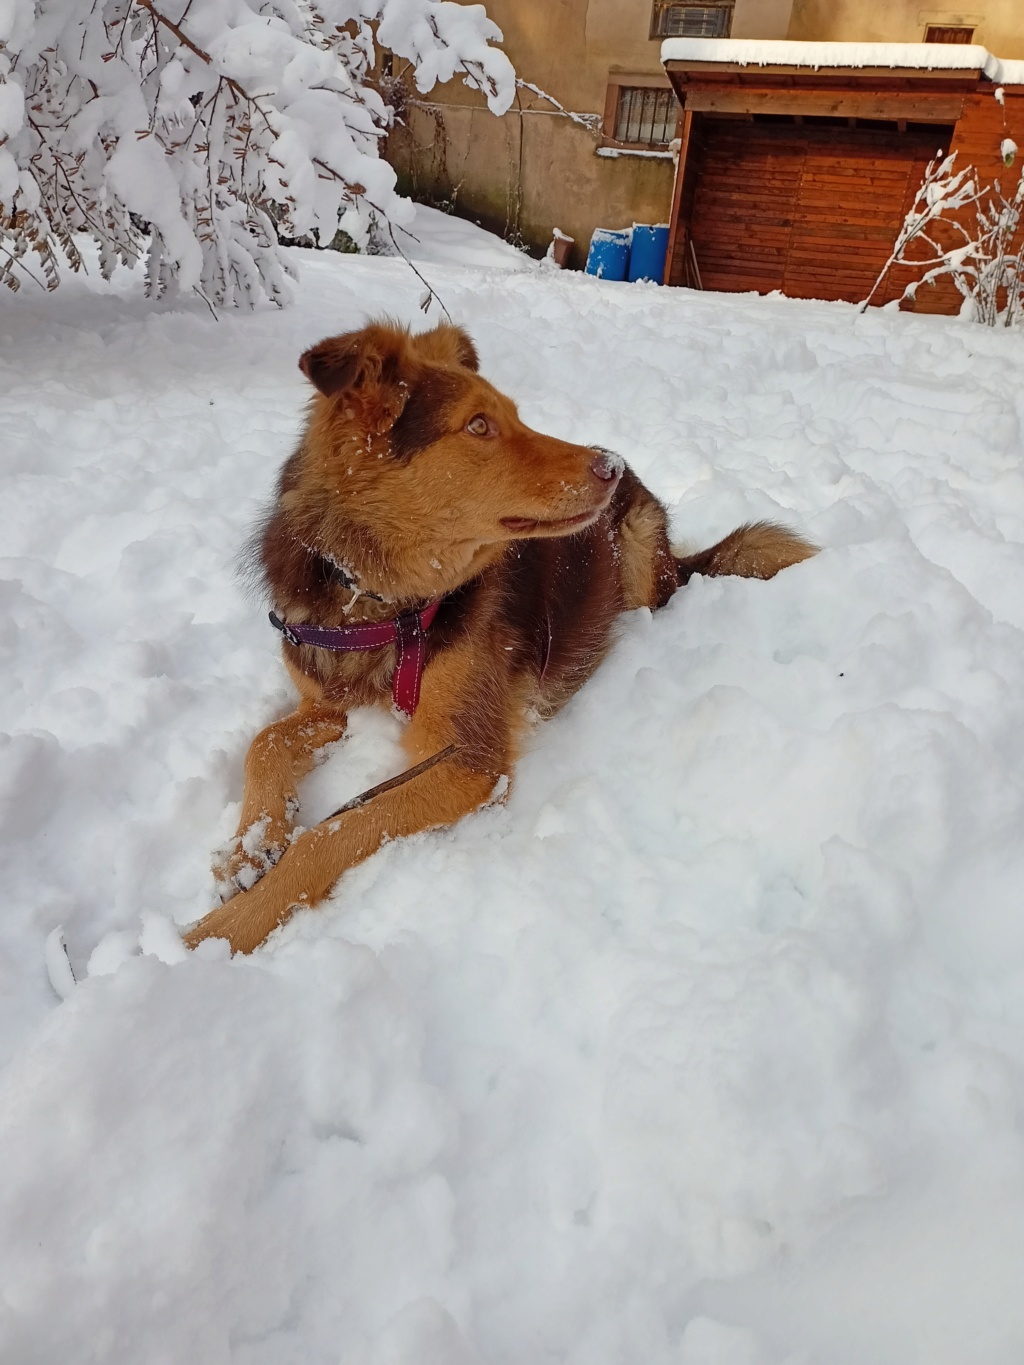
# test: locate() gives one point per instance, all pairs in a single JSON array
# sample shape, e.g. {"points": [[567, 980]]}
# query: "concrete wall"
{"points": [[523, 176], [531, 171], [761, 18]]}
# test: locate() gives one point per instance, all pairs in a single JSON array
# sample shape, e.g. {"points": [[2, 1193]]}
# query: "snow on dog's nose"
{"points": [[606, 466]]}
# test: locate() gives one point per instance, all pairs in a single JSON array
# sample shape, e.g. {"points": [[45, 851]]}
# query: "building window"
{"points": [[646, 115], [685, 19], [936, 33]]}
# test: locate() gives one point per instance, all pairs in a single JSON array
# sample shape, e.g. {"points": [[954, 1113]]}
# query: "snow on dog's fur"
{"points": [[416, 480]]}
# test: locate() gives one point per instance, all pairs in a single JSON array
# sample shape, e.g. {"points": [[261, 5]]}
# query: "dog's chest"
{"points": [[356, 678]]}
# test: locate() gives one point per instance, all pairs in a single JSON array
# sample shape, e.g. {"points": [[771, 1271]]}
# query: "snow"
{"points": [[781, 52], [196, 129], [707, 1048], [432, 237], [58, 964], [613, 153]]}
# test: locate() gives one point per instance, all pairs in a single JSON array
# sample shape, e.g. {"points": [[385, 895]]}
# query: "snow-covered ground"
{"points": [[433, 237], [706, 1049]]}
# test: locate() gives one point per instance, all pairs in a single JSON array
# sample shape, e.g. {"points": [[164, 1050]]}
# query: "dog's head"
{"points": [[405, 430]]}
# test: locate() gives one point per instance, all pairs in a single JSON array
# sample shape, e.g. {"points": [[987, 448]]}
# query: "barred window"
{"points": [[684, 19], [646, 115]]}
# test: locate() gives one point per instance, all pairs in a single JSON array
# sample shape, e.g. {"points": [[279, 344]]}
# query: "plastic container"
{"points": [[648, 252], [608, 257]]}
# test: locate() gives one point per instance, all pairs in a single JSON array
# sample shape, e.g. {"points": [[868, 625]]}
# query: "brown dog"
{"points": [[414, 484]]}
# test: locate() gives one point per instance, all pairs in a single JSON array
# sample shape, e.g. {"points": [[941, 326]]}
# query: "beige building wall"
{"points": [[527, 176], [998, 24], [761, 19], [531, 171]]}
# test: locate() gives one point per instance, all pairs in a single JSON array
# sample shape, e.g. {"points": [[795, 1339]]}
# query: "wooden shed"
{"points": [[799, 161]]}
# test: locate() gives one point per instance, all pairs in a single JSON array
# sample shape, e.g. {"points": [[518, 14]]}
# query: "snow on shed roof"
{"points": [[772, 52]]}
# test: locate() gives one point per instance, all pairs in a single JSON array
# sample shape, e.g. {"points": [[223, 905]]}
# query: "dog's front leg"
{"points": [[317, 858], [278, 759], [463, 703], [468, 700]]}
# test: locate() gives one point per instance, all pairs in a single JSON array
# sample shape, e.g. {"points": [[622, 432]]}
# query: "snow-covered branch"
{"points": [[214, 124], [592, 122], [984, 262]]}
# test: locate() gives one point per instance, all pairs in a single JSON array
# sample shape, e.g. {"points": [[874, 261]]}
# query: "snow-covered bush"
{"points": [[984, 259], [210, 121]]}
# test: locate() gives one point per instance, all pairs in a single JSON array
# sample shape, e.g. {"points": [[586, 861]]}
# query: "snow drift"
{"points": [[706, 1049]]}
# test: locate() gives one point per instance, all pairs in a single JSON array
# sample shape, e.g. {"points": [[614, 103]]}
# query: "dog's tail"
{"points": [[758, 550]]}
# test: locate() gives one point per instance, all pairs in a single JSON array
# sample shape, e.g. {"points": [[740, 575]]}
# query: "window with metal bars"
{"points": [[646, 115], [689, 20]]}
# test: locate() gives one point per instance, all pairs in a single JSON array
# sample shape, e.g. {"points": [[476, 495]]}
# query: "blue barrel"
{"points": [[650, 247], [608, 257]]}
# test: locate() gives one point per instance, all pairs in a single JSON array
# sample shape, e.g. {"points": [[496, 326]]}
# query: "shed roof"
{"points": [[953, 57]]}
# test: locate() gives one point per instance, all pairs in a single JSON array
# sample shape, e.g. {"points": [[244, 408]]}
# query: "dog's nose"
{"points": [[606, 467]]}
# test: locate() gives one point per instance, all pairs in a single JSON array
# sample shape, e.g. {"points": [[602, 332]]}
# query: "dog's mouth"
{"points": [[530, 526]]}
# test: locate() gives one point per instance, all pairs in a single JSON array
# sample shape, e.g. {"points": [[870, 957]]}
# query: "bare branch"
{"points": [[398, 781]]}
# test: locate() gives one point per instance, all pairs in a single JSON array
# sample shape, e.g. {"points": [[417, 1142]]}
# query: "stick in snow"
{"points": [[398, 781]]}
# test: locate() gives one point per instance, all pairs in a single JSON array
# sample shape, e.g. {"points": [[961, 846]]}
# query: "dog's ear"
{"points": [[367, 368], [334, 364], [447, 345]]}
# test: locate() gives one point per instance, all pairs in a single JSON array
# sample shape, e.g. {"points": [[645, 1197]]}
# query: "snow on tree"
{"points": [[214, 122], [984, 259]]}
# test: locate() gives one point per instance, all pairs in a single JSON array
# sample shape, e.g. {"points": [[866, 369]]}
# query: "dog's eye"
{"points": [[479, 425]]}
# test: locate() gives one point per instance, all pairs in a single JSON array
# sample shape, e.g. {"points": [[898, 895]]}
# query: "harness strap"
{"points": [[406, 632]]}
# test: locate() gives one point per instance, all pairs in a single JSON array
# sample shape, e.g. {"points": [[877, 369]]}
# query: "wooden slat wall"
{"points": [[855, 191], [744, 201], [813, 209]]}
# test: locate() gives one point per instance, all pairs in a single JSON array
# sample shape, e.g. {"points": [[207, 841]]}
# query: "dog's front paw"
{"points": [[246, 920], [239, 865], [223, 923], [237, 869]]}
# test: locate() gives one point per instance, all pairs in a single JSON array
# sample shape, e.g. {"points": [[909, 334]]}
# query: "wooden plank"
{"points": [[722, 259], [826, 104], [729, 244], [844, 270], [845, 192], [728, 241], [815, 204], [737, 284], [753, 192], [725, 253], [745, 217], [735, 170], [765, 267], [848, 75], [827, 229], [739, 230], [677, 232], [849, 175], [827, 252]]}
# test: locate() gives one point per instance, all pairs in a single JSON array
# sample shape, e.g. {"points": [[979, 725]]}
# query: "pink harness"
{"points": [[406, 632]]}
